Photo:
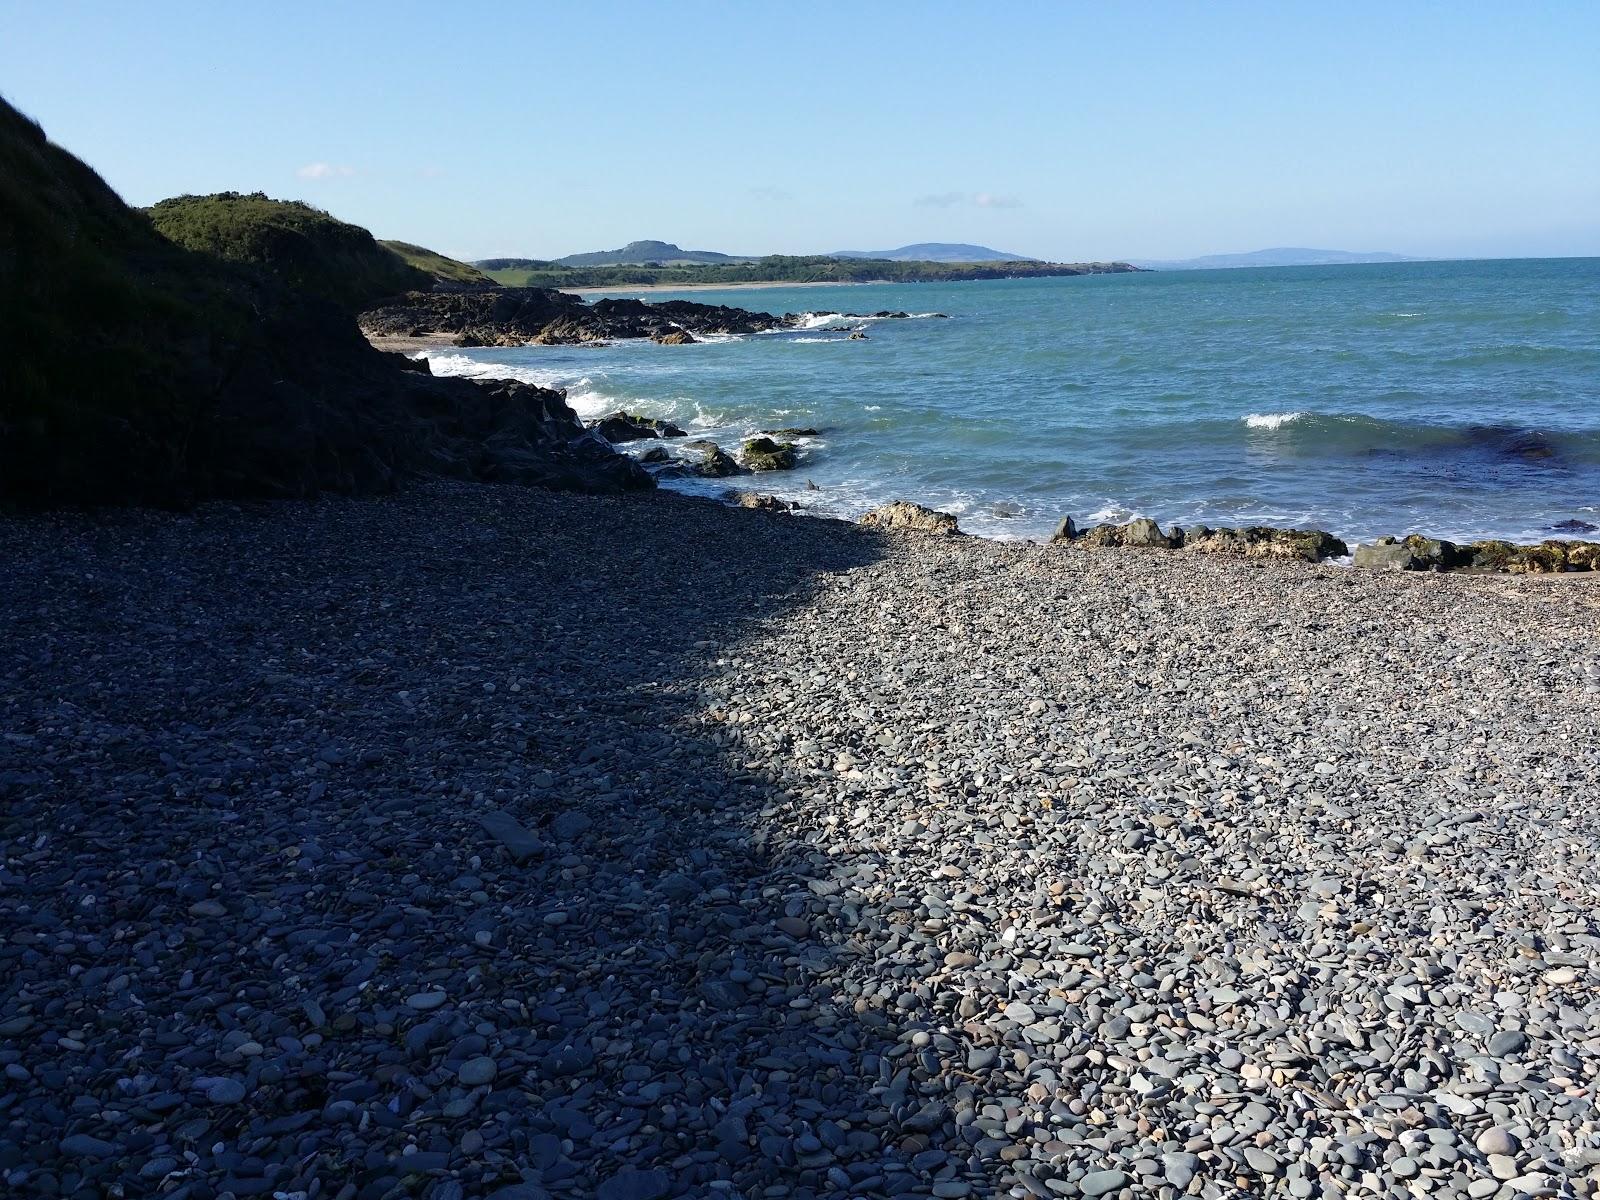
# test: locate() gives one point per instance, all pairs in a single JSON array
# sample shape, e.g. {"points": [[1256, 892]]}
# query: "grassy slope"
{"points": [[301, 245], [446, 270], [110, 319]]}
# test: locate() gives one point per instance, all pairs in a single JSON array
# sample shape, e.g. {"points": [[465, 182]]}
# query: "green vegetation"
{"points": [[300, 245], [446, 270], [776, 268]]}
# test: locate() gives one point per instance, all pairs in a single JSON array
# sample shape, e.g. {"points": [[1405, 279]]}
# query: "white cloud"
{"points": [[961, 199], [322, 170]]}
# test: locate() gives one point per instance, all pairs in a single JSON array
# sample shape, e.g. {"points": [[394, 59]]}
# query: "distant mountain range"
{"points": [[1279, 256], [668, 254], [940, 252]]}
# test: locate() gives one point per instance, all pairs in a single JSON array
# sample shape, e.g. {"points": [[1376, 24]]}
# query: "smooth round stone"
{"points": [[1404, 1168], [476, 1072], [1497, 1140], [1098, 1183], [225, 1091], [425, 1001], [1507, 1041]]}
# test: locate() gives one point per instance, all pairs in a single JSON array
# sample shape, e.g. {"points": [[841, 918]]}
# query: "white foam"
{"points": [[817, 320], [1271, 420], [583, 397]]}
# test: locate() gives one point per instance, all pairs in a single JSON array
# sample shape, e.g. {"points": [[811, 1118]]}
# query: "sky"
{"points": [[1056, 130]]}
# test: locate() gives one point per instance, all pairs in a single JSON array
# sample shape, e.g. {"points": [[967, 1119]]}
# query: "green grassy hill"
{"points": [[300, 245], [446, 271]]}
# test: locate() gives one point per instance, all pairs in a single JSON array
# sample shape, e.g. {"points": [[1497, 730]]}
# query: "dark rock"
{"points": [[676, 337], [716, 463], [764, 454], [1386, 554], [1574, 526], [506, 830], [622, 426], [1263, 541], [1066, 530]]}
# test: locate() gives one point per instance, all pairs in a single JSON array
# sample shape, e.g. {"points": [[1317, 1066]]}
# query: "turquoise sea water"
{"points": [[1460, 399]]}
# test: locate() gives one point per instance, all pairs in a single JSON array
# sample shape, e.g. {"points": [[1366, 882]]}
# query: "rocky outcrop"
{"points": [[1418, 553], [764, 454], [1255, 541], [623, 426], [202, 377], [542, 316], [902, 516], [1264, 541]]}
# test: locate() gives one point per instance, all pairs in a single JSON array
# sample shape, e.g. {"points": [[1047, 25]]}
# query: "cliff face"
{"points": [[139, 371]]}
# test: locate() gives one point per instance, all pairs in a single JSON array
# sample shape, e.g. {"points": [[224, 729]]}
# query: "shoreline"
{"points": [[726, 287], [1020, 822]]}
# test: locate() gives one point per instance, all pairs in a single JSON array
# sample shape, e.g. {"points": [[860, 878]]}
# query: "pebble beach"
{"points": [[484, 841]]}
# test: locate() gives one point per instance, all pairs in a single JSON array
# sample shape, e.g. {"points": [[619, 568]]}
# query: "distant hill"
{"points": [[639, 253], [777, 268], [1280, 256], [447, 272], [944, 252], [301, 245]]}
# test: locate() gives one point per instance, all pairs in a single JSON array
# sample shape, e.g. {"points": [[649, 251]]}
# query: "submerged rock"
{"points": [[764, 454], [675, 337], [902, 515]]}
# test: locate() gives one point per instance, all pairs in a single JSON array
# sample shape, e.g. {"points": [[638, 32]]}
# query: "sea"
{"points": [[1455, 399]]}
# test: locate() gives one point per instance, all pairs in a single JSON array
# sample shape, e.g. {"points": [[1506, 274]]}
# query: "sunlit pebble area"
{"points": [[482, 841]]}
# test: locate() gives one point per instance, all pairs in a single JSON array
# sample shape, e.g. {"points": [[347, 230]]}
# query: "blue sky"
{"points": [[1059, 130]]}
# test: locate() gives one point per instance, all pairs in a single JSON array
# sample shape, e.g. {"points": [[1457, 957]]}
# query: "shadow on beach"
{"points": [[263, 943]]}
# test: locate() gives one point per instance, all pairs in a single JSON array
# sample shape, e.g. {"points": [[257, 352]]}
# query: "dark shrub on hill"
{"points": [[301, 245]]}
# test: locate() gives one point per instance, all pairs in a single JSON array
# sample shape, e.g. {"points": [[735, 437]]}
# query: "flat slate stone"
{"points": [[506, 830]]}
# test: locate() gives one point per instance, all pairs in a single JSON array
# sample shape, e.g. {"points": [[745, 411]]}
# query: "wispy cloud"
{"points": [[962, 199], [770, 195], [322, 170], [431, 172]]}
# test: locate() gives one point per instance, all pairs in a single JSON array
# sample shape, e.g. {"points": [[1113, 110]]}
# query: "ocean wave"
{"points": [[1313, 433], [583, 396], [1271, 420]]}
